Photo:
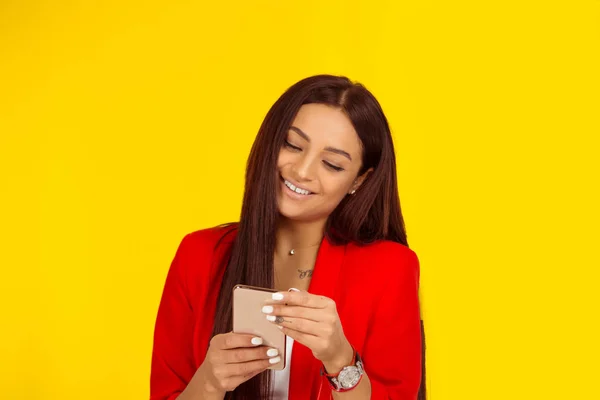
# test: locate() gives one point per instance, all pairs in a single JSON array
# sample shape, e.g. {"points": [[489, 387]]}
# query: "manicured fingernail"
{"points": [[256, 341], [272, 352], [293, 289], [267, 309], [274, 360], [271, 318], [279, 326], [277, 296]]}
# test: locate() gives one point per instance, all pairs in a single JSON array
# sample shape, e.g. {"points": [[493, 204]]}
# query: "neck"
{"points": [[298, 235]]}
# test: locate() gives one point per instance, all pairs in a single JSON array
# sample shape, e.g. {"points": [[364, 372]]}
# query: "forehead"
{"points": [[328, 126]]}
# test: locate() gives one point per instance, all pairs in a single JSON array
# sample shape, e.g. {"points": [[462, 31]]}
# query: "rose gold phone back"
{"points": [[249, 318]]}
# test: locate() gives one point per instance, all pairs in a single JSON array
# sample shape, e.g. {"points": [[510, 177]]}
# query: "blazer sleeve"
{"points": [[172, 357], [392, 352]]}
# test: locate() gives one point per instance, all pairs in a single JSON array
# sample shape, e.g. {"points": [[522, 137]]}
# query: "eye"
{"points": [[291, 146], [333, 167]]}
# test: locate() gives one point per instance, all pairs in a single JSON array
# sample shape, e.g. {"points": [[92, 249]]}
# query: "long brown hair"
{"points": [[373, 213]]}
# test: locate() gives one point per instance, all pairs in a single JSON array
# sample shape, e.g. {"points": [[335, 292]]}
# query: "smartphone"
{"points": [[248, 317]]}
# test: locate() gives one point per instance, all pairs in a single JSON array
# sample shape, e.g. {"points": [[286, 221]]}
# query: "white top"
{"points": [[281, 381]]}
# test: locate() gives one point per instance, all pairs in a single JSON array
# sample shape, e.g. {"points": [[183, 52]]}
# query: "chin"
{"points": [[294, 214], [299, 212]]}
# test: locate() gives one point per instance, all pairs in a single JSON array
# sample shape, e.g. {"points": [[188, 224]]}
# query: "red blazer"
{"points": [[375, 288]]}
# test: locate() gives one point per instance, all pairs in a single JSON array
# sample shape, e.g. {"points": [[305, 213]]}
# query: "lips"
{"points": [[292, 188]]}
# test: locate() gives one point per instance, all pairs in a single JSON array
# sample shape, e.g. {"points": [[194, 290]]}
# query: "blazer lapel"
{"points": [[305, 379]]}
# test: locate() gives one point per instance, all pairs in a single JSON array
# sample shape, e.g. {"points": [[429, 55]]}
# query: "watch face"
{"points": [[349, 377]]}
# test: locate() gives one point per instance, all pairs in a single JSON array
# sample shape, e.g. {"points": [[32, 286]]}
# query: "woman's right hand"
{"points": [[232, 359]]}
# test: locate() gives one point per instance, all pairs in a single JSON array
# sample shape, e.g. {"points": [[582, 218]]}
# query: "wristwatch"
{"points": [[348, 377]]}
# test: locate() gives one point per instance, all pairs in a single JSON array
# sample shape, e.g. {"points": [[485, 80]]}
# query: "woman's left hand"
{"points": [[313, 321]]}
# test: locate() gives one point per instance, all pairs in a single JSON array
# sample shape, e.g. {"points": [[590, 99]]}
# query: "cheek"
{"points": [[284, 159], [336, 187]]}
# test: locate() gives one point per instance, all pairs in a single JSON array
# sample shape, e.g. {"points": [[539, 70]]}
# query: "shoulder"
{"points": [[196, 250], [385, 256], [381, 249], [197, 256], [209, 238]]}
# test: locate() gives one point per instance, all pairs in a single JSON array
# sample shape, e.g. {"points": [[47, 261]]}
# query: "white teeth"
{"points": [[296, 189]]}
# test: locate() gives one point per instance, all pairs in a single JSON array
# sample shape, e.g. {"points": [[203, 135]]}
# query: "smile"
{"points": [[296, 189]]}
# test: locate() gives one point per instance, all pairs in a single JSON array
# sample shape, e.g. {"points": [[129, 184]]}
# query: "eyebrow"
{"points": [[329, 149]]}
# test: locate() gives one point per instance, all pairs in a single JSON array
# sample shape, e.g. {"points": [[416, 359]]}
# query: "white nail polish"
{"points": [[275, 360], [267, 309], [293, 290], [271, 318], [272, 352], [256, 341], [277, 296]]}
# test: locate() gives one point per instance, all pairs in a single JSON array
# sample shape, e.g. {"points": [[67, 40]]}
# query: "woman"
{"points": [[321, 223]]}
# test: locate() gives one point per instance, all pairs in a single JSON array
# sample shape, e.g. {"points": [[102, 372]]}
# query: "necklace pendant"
{"points": [[292, 252]]}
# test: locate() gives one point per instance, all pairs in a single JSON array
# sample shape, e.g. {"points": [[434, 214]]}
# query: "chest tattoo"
{"points": [[305, 273]]}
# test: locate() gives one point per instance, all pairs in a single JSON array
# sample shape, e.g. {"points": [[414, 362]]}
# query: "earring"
{"points": [[354, 190]]}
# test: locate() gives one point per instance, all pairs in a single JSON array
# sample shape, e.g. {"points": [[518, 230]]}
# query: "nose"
{"points": [[304, 168]]}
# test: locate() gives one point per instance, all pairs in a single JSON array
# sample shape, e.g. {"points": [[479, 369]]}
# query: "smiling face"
{"points": [[318, 164]]}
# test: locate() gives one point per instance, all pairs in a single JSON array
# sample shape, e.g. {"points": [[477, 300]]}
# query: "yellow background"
{"points": [[125, 125]]}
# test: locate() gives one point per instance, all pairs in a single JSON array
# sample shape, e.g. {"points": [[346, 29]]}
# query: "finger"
{"points": [[233, 340], [251, 367], [249, 376], [240, 355], [313, 314], [300, 325], [306, 339], [241, 379], [236, 380], [301, 298]]}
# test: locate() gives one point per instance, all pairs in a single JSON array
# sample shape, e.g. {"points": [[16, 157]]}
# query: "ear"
{"points": [[359, 181]]}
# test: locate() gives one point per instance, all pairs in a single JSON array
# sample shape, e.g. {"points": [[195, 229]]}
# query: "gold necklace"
{"points": [[293, 251]]}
